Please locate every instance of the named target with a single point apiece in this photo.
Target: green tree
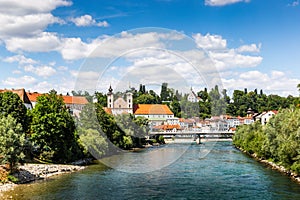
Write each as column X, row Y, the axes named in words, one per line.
column 145, row 99
column 53, row 129
column 90, row 134
column 12, row 139
column 218, row 104
column 175, row 107
column 101, row 99
column 11, row 104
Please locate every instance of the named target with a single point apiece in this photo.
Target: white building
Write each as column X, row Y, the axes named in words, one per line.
column 267, row 116
column 158, row 114
column 120, row 105
column 192, row 97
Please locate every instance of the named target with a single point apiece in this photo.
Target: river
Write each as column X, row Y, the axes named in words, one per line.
column 224, row 173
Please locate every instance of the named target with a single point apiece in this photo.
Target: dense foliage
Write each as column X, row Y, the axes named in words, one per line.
column 278, row 140
column 53, row 130
column 11, row 104
column 12, row 140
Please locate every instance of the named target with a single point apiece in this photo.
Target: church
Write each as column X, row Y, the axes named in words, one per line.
column 156, row 113
column 120, row 105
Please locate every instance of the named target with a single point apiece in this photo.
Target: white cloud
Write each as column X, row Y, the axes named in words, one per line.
column 222, row 2
column 22, row 24
column 252, row 48
column 106, row 47
column 224, row 57
column 210, row 42
column 87, row 20
column 19, row 82
column 43, row 42
column 21, row 59
column 231, row 59
column 25, row 26
column 43, row 71
column 64, row 86
column 16, row 72
column 16, row 7
column 271, row 83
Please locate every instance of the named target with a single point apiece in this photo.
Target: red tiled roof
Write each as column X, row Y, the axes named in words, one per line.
column 67, row 99
column 75, row 100
column 168, row 127
column 20, row 92
column 33, row 96
column 152, row 109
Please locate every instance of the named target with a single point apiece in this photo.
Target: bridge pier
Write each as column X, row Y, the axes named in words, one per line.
column 199, row 136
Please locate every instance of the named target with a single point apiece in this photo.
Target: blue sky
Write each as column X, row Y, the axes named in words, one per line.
column 251, row 43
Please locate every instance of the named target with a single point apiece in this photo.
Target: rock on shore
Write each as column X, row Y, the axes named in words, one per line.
column 32, row 172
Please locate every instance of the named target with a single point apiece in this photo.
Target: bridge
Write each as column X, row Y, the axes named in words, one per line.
column 197, row 134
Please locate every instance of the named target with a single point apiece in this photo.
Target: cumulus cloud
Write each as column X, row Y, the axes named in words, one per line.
column 43, row 42
column 271, row 82
column 252, row 48
column 210, row 42
column 230, row 59
column 43, row 71
column 22, row 24
column 106, row 47
column 87, row 20
column 21, row 59
column 25, row 26
column 222, row 2
column 224, row 57
column 16, row 7
column 19, row 82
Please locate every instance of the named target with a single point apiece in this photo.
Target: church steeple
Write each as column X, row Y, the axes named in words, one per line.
column 110, row 98
column 110, row 90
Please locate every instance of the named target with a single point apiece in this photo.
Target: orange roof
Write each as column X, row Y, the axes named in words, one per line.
column 75, row 100
column 33, row 96
column 20, row 92
column 168, row 127
column 107, row 110
column 67, row 99
column 152, row 109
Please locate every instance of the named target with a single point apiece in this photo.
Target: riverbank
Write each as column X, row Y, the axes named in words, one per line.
column 31, row 172
column 274, row 166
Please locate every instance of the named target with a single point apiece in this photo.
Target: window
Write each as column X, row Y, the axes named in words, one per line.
column 119, row 106
column 129, row 106
column 129, row 100
column 109, row 100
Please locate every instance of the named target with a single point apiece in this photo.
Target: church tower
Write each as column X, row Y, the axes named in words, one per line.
column 129, row 99
column 110, row 98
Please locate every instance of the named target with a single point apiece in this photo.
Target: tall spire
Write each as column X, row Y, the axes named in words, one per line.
column 110, row 89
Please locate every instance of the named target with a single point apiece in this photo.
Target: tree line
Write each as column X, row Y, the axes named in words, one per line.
column 277, row 141
column 211, row 102
column 49, row 132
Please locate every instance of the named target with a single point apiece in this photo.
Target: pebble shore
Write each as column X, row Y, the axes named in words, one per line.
column 32, row 172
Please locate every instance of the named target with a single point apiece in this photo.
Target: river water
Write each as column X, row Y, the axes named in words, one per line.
column 224, row 173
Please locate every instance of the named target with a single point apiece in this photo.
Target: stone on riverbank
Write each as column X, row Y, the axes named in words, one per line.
column 32, row 172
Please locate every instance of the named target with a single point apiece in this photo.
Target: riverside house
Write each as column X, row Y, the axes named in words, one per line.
column 74, row 103
column 22, row 94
